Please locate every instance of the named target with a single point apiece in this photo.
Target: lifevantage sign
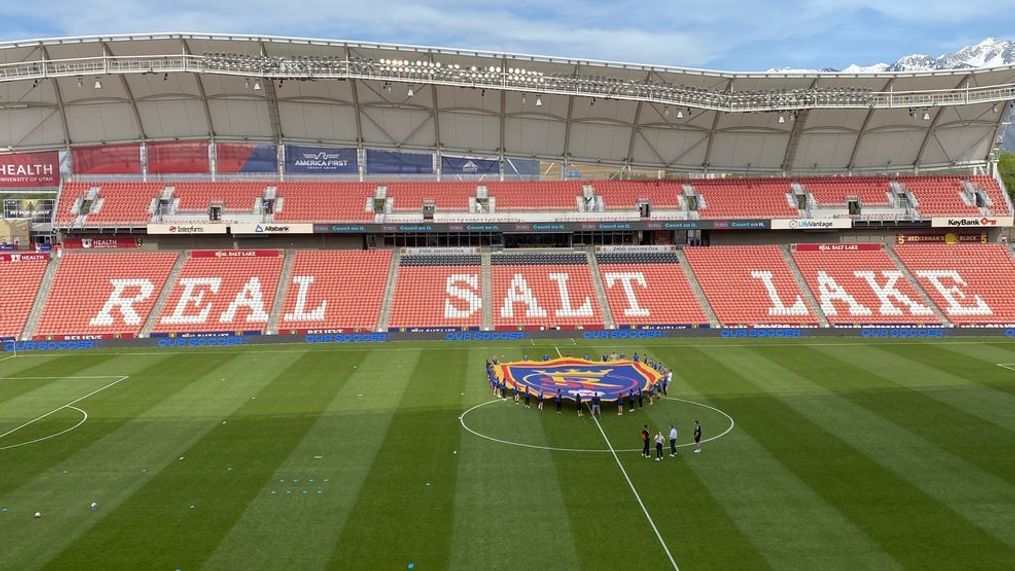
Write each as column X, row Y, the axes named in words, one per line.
column 812, row 224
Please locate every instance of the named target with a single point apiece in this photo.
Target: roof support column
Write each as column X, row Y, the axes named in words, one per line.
column 59, row 103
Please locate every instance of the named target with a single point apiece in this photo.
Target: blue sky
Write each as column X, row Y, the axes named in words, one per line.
column 721, row 34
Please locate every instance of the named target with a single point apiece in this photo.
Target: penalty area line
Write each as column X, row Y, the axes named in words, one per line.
column 635, row 492
column 558, row 351
column 68, row 405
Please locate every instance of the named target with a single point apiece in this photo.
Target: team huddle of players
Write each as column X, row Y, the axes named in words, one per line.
column 656, row 390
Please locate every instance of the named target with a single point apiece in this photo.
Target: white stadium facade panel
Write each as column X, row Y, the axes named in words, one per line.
column 67, row 92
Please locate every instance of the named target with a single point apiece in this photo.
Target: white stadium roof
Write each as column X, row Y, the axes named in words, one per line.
column 57, row 93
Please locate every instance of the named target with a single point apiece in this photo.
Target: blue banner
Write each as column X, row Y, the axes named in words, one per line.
column 393, row 162
column 521, row 167
column 467, row 166
column 320, row 160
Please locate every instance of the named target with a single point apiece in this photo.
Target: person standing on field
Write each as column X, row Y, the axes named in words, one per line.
column 645, row 437
column 659, row 446
column 697, row 436
column 673, row 440
column 559, row 400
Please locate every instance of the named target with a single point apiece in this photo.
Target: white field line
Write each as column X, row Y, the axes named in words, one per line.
column 1009, row 366
column 636, row 495
column 558, row 351
column 309, row 347
column 84, row 417
column 68, row 405
column 461, row 420
column 6, row 358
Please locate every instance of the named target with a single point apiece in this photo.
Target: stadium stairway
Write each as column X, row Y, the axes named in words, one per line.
column 389, row 291
column 924, row 297
column 597, row 281
column 40, row 299
column 280, row 292
column 487, row 287
column 699, row 294
column 802, row 284
column 160, row 303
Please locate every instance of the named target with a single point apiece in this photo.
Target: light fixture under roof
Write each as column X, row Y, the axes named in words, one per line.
column 781, row 119
column 680, row 114
column 98, row 83
column 257, row 85
column 409, row 93
column 539, row 102
column 926, row 116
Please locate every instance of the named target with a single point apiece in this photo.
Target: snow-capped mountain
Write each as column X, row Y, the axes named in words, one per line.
column 988, row 53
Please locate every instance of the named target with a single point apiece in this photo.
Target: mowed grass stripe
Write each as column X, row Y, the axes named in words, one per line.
column 912, row 370
column 290, row 529
column 873, row 497
column 110, row 470
column 608, row 525
column 506, row 492
column 958, row 364
column 398, row 518
column 765, row 500
column 58, row 367
column 254, row 441
column 974, row 440
column 117, row 406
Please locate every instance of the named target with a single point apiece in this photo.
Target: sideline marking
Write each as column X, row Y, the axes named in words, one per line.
column 558, row 351
column 385, row 346
column 84, row 417
column 68, row 405
column 6, row 358
column 635, row 492
column 461, row 420
column 1009, row 366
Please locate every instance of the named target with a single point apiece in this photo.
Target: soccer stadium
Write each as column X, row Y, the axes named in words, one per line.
column 694, row 319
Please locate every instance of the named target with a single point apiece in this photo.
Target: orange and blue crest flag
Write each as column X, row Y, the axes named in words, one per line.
column 610, row 379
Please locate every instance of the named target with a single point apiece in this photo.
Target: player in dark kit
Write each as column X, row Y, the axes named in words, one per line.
column 630, row 400
column 645, row 436
column 578, row 402
column 558, row 399
column 697, row 436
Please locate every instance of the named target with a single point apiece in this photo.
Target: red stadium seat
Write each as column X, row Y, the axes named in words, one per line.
column 448, row 295
column 749, row 285
column 544, row 295
column 650, row 294
column 336, row 289
column 21, row 280
column 745, row 198
column 104, row 294
column 970, row 283
column 214, row 294
column 861, row 287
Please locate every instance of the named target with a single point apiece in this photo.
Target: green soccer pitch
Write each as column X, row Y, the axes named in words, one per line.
column 843, row 454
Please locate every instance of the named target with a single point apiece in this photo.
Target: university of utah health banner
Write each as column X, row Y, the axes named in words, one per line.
column 178, row 158
column 233, row 158
column 109, row 159
column 467, row 166
column 393, row 162
column 320, row 160
column 30, row 170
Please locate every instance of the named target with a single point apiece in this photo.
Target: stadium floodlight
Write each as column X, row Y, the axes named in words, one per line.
column 539, row 102
column 781, row 119
column 926, row 116
column 680, row 114
column 98, row 83
column 257, row 85
column 409, row 93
